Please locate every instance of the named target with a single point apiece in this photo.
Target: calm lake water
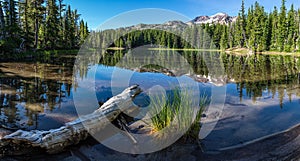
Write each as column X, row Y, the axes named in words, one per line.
column 262, row 92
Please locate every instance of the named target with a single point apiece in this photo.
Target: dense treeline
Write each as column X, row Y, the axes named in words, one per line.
column 50, row 24
column 150, row 36
column 39, row 24
column 259, row 31
column 128, row 38
column 256, row 30
column 262, row 31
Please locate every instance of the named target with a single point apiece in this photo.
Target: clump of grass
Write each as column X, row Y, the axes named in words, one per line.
column 163, row 112
column 193, row 132
column 178, row 110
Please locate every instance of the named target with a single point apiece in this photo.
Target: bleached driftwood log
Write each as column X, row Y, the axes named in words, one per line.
column 54, row 141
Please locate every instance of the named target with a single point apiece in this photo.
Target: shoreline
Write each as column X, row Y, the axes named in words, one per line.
column 231, row 51
column 280, row 146
column 245, row 52
column 175, row 49
column 38, row 53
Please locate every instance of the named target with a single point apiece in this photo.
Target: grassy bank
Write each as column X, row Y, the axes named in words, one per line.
column 297, row 54
column 116, row 48
column 245, row 51
column 237, row 51
column 38, row 53
column 173, row 49
column 53, row 52
column 166, row 49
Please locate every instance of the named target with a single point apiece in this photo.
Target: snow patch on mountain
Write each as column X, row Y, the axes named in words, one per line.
column 221, row 18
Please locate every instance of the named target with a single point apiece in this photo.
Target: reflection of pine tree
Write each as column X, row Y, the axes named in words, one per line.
column 43, row 87
column 281, row 94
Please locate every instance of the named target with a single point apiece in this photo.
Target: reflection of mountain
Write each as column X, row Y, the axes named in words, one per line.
column 175, row 73
column 29, row 89
column 254, row 75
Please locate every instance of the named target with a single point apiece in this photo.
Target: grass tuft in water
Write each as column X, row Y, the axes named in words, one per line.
column 178, row 111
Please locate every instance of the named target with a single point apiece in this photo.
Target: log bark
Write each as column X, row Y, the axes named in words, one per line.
column 54, row 141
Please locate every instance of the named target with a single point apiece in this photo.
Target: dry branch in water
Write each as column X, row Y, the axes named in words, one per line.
column 54, row 141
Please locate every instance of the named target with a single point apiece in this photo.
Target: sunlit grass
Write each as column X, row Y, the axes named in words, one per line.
column 164, row 113
column 39, row 54
column 115, row 48
column 178, row 110
column 184, row 49
column 193, row 132
column 245, row 51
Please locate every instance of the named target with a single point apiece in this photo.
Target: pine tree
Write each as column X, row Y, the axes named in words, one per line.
column 52, row 29
column 231, row 37
column 282, row 28
column 12, row 27
column 24, row 22
column 42, row 36
column 249, row 27
column 61, row 9
column 251, row 30
column 298, row 31
column 2, row 22
column 239, row 32
column 224, row 39
column 256, row 40
column 267, row 33
column 291, row 31
column 37, row 24
column 36, row 15
column 75, row 19
column 274, row 39
column 243, row 24
column 69, row 30
column 81, row 31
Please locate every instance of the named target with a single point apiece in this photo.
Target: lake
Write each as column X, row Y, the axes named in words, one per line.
column 261, row 91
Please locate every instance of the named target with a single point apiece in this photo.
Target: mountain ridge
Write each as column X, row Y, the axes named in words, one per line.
column 218, row 18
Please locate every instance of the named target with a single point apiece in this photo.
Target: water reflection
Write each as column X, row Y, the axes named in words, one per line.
column 263, row 91
column 31, row 89
column 255, row 76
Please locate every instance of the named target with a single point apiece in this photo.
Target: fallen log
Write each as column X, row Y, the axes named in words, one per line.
column 54, row 141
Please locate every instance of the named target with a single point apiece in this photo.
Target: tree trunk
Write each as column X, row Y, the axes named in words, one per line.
column 36, row 27
column 54, row 141
column 2, row 22
column 26, row 23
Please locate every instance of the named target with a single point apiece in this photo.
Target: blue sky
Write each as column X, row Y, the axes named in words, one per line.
column 96, row 12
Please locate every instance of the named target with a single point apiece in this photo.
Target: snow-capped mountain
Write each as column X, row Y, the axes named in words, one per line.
column 221, row 18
